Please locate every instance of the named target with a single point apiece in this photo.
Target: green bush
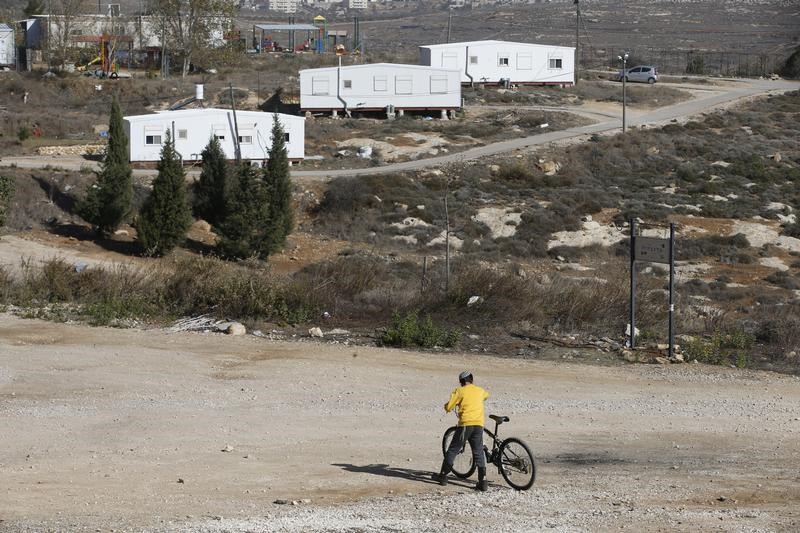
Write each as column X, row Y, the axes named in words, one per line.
column 409, row 330
column 6, row 194
column 784, row 280
column 722, row 349
column 790, row 230
column 791, row 69
column 24, row 133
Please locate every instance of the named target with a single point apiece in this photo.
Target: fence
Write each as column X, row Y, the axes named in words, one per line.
column 679, row 62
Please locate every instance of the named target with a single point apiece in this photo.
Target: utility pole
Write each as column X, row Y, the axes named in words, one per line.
column 164, row 61
column 577, row 40
column 236, row 147
column 450, row 22
column 49, row 35
column 624, row 59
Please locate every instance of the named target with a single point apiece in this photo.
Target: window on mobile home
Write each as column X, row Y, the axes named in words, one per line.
column 449, row 59
column 152, row 135
column 438, row 84
column 403, row 84
column 380, row 83
column 319, row 86
column 555, row 63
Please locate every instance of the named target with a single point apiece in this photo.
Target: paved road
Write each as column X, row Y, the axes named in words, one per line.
column 710, row 99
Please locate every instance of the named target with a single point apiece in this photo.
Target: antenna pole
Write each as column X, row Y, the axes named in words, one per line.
column 577, row 40
column 449, row 23
column 235, row 128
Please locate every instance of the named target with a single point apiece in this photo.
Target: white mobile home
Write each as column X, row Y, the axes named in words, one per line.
column 378, row 86
column 6, row 45
column 193, row 128
column 494, row 61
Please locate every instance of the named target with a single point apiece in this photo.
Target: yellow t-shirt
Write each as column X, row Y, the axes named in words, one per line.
column 469, row 400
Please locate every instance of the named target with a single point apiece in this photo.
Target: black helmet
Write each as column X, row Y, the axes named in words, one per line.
column 466, row 375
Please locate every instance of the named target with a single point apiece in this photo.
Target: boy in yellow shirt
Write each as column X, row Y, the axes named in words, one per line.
column 468, row 398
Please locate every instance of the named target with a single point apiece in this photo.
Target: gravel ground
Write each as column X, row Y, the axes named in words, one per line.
column 133, row 430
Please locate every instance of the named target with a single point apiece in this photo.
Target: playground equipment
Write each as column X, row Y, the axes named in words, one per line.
column 322, row 33
column 109, row 46
column 318, row 37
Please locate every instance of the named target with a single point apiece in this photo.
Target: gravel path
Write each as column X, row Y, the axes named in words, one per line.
column 137, row 430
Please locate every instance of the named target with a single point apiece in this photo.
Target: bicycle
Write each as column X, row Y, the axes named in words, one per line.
column 511, row 456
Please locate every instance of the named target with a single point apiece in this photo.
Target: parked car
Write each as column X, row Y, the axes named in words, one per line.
column 642, row 73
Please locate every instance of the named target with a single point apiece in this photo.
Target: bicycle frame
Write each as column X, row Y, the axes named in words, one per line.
column 496, row 443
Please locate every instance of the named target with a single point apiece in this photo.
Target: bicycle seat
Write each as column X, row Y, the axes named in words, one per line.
column 499, row 419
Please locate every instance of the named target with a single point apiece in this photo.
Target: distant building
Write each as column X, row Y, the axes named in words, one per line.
column 378, row 86
column 193, row 128
column 143, row 30
column 496, row 61
column 284, row 6
column 7, row 56
column 357, row 4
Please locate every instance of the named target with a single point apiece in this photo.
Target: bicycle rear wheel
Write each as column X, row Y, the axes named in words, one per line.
column 463, row 466
column 516, row 464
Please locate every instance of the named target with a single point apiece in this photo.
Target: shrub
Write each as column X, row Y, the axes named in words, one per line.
column 54, row 282
column 6, row 194
column 778, row 328
column 790, row 230
column 784, row 279
column 409, row 330
column 24, row 133
column 791, row 68
column 516, row 171
column 722, row 348
column 725, row 249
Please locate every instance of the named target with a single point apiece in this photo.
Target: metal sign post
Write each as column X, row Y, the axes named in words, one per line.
column 653, row 250
column 633, row 285
column 671, row 290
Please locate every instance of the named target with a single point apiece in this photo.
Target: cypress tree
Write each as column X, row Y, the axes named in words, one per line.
column 108, row 201
column 243, row 230
column 279, row 188
column 211, row 189
column 165, row 215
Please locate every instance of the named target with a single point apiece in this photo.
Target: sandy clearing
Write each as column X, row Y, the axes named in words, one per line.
column 15, row 250
column 100, row 424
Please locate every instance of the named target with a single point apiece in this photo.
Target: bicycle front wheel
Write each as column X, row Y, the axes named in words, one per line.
column 463, row 466
column 516, row 464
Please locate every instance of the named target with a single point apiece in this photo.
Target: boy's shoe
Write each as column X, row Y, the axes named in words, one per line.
column 441, row 479
column 482, row 485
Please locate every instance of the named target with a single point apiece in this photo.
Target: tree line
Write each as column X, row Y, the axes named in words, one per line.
column 248, row 207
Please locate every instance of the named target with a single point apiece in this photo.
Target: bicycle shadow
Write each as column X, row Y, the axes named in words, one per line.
column 422, row 476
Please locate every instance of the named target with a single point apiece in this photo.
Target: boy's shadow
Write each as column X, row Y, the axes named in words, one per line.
column 422, row 476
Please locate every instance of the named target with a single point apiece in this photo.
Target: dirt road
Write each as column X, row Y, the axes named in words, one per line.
column 706, row 99
column 150, row 430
